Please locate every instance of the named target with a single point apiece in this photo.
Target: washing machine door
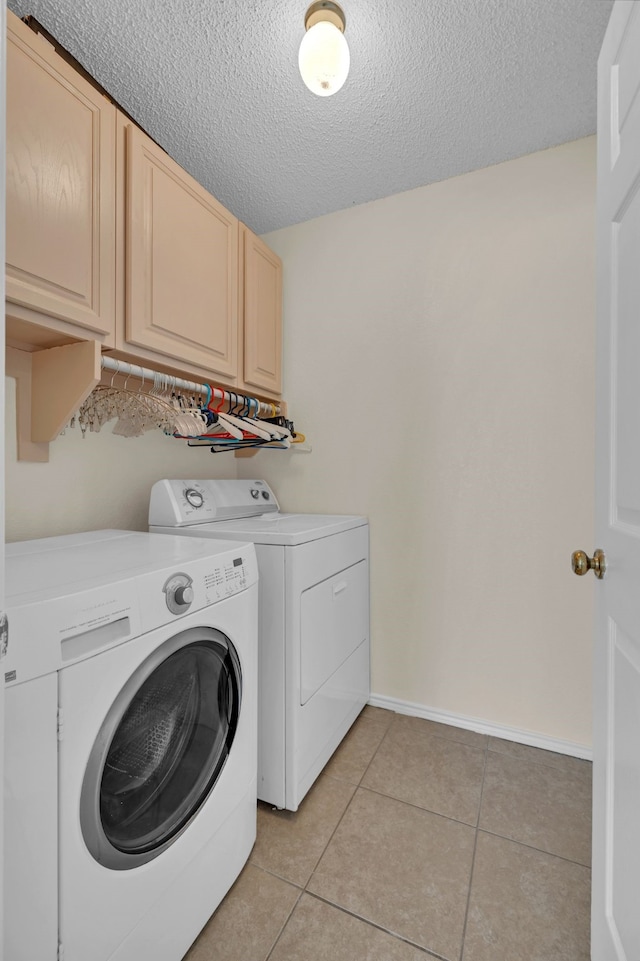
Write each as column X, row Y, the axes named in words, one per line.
column 161, row 748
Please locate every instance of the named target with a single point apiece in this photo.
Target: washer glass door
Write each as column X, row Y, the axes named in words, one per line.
column 161, row 748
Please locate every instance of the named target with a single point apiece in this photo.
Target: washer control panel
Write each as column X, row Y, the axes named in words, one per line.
column 212, row 585
column 178, row 593
column 225, row 580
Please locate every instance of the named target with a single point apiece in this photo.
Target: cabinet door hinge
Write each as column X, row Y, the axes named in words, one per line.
column 60, row 737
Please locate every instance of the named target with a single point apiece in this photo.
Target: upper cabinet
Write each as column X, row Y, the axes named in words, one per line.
column 60, row 199
column 109, row 239
column 181, row 263
column 261, row 298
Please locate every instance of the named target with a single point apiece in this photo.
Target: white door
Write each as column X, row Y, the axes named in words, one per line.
column 615, row 934
column 3, row 18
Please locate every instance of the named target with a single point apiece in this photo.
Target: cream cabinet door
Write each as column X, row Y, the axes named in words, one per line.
column 262, row 302
column 181, row 272
column 60, row 249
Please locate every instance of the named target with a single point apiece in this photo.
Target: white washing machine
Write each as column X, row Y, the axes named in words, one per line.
column 313, row 651
column 130, row 769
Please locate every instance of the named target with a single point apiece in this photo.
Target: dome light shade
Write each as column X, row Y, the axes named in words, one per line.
column 324, row 51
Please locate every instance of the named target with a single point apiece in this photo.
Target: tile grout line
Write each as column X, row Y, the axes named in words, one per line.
column 473, row 858
column 531, row 847
column 371, row 759
column 285, row 923
column 417, row 807
column 274, row 874
column 378, row 927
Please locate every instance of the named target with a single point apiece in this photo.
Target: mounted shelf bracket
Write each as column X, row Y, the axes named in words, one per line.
column 52, row 384
column 61, row 380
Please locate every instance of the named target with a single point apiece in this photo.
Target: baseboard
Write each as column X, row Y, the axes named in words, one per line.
column 532, row 738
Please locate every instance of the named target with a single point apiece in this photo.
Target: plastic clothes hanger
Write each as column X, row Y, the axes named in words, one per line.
column 275, row 431
column 243, row 424
column 222, row 420
column 211, row 423
column 250, row 426
column 250, row 430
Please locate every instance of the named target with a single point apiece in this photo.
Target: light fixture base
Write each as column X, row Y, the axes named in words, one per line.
column 325, row 10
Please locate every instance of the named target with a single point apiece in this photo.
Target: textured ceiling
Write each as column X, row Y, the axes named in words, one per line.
column 436, row 88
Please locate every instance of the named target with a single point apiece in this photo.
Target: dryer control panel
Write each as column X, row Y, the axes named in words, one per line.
column 183, row 503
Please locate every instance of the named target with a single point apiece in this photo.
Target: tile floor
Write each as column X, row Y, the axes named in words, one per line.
column 418, row 841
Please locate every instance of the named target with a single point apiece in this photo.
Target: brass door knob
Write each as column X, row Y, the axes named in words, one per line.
column 581, row 563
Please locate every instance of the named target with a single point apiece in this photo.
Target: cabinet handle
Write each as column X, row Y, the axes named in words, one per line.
column 339, row 588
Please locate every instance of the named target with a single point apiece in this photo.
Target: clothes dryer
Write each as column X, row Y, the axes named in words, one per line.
column 313, row 620
column 130, row 798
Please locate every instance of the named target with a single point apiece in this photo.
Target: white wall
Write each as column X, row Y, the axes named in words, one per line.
column 439, row 354
column 100, row 481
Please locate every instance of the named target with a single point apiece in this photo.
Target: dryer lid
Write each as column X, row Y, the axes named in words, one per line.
column 287, row 530
column 240, row 510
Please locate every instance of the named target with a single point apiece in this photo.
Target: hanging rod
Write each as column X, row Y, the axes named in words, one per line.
column 145, row 373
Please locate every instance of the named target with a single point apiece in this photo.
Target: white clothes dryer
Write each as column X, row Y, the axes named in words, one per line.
column 313, row 621
column 130, row 788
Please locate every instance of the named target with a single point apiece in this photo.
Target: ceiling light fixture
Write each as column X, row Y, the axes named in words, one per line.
column 324, row 52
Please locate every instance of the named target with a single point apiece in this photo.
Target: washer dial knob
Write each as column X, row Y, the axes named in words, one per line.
column 194, row 497
column 183, row 596
column 179, row 593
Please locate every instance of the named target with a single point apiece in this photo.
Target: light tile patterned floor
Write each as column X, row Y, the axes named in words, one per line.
column 418, row 841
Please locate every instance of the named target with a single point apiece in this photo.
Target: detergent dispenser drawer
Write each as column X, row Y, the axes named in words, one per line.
column 334, row 620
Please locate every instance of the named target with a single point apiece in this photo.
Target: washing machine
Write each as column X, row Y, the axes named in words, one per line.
column 131, row 739
column 313, row 650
